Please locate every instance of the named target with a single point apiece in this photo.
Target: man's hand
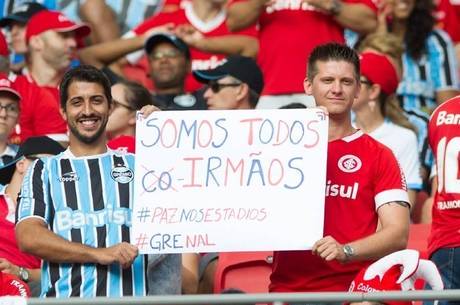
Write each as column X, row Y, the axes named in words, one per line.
column 167, row 28
column 122, row 253
column 190, row 35
column 7, row 267
column 329, row 249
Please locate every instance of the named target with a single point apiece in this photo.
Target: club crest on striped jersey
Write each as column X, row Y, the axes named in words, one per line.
column 349, row 164
column 122, row 174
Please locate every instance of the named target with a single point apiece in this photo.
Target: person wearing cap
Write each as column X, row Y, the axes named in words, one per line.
column 13, row 261
column 16, row 24
column 9, row 113
column 366, row 212
column 80, row 202
column 202, row 25
column 236, row 84
column 52, row 41
column 379, row 115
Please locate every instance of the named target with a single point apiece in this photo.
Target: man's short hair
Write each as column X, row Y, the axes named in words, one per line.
column 332, row 52
column 83, row 73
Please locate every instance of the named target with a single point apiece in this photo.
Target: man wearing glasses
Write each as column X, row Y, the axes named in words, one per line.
column 169, row 62
column 9, row 113
column 236, row 84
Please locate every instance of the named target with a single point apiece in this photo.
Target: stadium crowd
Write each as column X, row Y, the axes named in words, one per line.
column 73, row 74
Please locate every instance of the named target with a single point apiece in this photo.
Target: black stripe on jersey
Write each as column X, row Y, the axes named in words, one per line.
column 71, row 201
column 37, row 189
column 123, row 193
column 54, row 277
column 101, row 232
column 446, row 64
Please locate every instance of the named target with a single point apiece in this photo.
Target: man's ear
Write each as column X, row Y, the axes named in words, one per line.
column 308, row 86
column 63, row 113
column 36, row 42
column 21, row 166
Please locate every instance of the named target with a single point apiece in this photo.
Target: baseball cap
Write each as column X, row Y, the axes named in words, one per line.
column 7, row 85
column 12, row 286
column 240, row 67
column 123, row 144
column 397, row 272
column 3, row 45
column 22, row 13
column 46, row 20
column 32, row 146
column 155, row 39
column 378, row 68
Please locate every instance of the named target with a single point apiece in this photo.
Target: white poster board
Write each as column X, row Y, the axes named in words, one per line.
column 235, row 180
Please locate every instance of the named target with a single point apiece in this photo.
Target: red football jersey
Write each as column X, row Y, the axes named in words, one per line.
column 362, row 175
column 12, row 286
column 288, row 32
column 39, row 114
column 213, row 28
column 448, row 18
column 444, row 139
column 9, row 249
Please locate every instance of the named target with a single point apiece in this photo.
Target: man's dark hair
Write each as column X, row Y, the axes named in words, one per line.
column 332, row 52
column 83, row 73
column 136, row 95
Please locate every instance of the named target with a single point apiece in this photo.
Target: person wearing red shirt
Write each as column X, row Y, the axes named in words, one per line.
column 444, row 240
column 288, row 32
column 202, row 25
column 366, row 206
column 12, row 286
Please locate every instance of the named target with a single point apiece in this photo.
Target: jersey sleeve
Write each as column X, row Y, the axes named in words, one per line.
column 32, row 201
column 443, row 56
column 389, row 181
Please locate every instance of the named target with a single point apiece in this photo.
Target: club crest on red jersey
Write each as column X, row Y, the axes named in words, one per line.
column 349, row 164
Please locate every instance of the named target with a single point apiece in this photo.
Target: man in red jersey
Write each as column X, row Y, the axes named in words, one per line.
column 288, row 32
column 444, row 241
column 366, row 207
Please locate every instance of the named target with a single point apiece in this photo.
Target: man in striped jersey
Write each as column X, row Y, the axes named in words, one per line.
column 75, row 208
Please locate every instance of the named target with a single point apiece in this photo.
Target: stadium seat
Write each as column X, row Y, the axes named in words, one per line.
column 418, row 238
column 246, row 271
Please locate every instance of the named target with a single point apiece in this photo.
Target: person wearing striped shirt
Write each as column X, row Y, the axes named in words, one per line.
column 74, row 209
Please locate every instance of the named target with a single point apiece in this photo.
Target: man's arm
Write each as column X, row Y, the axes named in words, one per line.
column 226, row 44
column 391, row 235
column 354, row 16
column 53, row 248
column 8, row 267
column 240, row 15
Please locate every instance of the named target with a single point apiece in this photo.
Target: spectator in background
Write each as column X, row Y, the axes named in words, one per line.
column 201, row 24
column 444, row 240
column 288, row 32
column 128, row 97
column 12, row 286
column 447, row 15
column 365, row 188
column 26, row 267
column 429, row 65
column 236, row 84
column 9, row 113
column 16, row 25
column 52, row 42
column 378, row 114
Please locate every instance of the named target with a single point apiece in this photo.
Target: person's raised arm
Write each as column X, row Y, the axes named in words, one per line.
column 35, row 238
column 391, row 236
column 240, row 15
column 226, row 44
column 358, row 17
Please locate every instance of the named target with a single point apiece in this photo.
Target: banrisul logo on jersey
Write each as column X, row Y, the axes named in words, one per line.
column 122, row 174
column 349, row 164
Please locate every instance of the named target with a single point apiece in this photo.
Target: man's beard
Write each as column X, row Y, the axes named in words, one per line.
column 88, row 139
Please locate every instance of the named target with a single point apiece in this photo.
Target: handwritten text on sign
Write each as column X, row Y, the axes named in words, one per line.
column 242, row 180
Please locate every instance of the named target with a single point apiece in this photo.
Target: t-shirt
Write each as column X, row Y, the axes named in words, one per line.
column 444, row 138
column 212, row 28
column 12, row 286
column 447, row 15
column 288, row 32
column 9, row 249
column 403, row 143
column 362, row 175
column 85, row 200
column 39, row 111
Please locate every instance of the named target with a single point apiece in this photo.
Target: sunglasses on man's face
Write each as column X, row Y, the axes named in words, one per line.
column 216, row 87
